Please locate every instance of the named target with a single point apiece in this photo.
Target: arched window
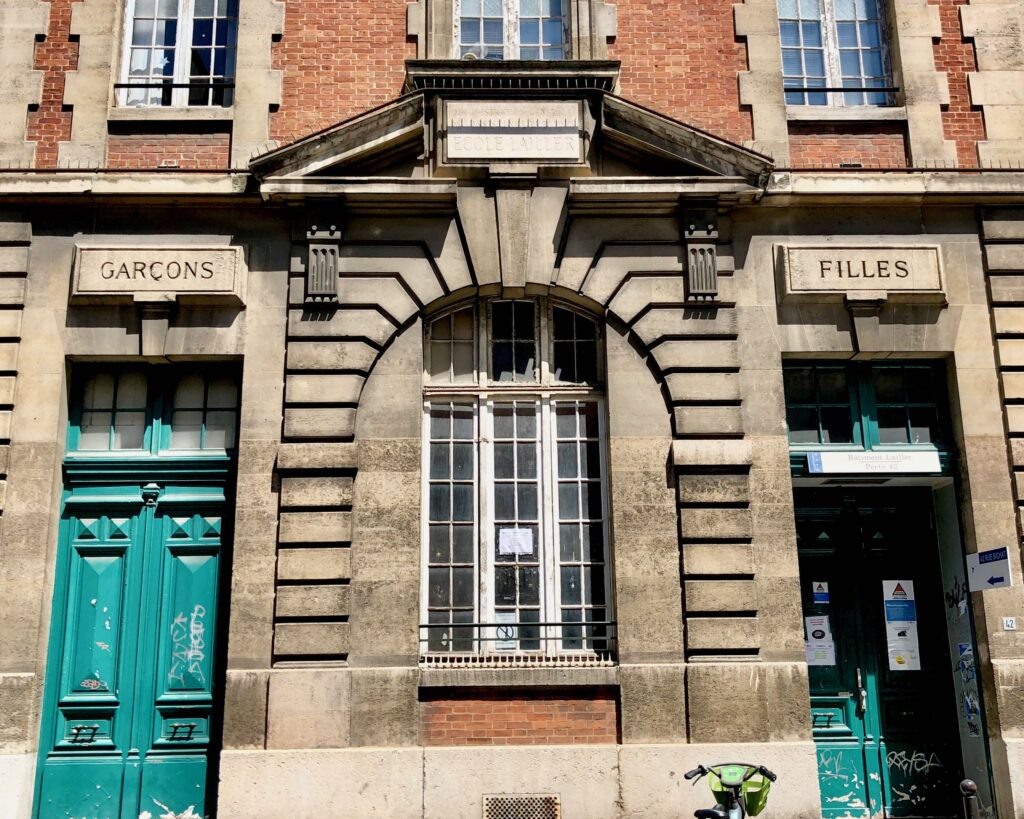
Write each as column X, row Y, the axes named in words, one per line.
column 515, row 496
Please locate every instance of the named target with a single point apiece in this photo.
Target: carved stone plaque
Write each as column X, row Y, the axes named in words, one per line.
column 158, row 273
column 513, row 131
column 909, row 272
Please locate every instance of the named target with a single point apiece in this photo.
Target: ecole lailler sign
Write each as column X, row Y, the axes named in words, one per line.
column 140, row 271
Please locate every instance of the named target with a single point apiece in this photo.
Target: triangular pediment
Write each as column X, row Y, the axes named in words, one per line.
column 616, row 138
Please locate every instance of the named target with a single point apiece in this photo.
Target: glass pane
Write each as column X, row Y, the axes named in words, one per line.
column 524, row 361
column 593, row 541
column 462, row 322
column 529, row 586
column 586, row 362
column 529, row 53
column 440, row 423
column 99, row 392
column 526, row 457
column 504, row 501
column 166, row 32
column 568, row 501
column 503, row 424
column 553, row 32
column 844, row 10
column 462, row 502
column 441, row 328
column 439, row 461
column 529, row 8
column 139, row 62
column 803, row 425
column 872, row 63
column 494, row 31
column 462, row 462
column 571, row 585
column 553, row 8
column 189, row 393
column 186, row 428
column 462, row 423
column 787, row 9
column 567, row 467
column 463, row 364
column 789, row 34
column 129, row 428
column 836, row 425
column 204, row 8
column 847, row 35
column 814, row 63
column 594, row 578
column 565, row 421
column 850, row 63
column 440, row 500
column 501, row 320
column 529, row 31
column 812, row 34
column 438, row 546
column 142, row 32
column 505, row 585
column 924, row 425
column 809, row 9
column 527, row 501
column 590, row 460
column 94, row 431
column 888, row 385
column 463, row 550
column 145, row 8
column 799, row 385
column 792, row 64
column 504, row 466
column 462, row 587
column 471, row 8
column 526, row 421
column 437, row 587
column 223, row 392
column 565, row 361
column 523, row 312
column 568, row 542
column 220, row 429
column 470, row 31
column 168, row 8
column 588, row 420
column 492, row 8
column 564, row 326
column 832, row 387
column 501, row 361
column 892, row 425
column 202, row 32
column 920, row 387
column 591, row 500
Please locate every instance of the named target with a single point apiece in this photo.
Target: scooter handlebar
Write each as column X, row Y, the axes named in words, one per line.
column 767, row 774
column 700, row 770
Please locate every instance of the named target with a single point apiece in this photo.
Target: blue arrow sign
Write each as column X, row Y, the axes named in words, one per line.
column 993, row 580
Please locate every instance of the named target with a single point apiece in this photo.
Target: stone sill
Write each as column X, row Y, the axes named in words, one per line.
column 159, row 113
column 852, row 113
column 490, row 76
column 517, row 677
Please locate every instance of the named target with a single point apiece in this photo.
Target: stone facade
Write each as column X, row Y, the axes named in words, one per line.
column 669, row 228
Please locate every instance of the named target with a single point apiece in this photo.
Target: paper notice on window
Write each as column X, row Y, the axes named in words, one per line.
column 820, row 652
column 515, row 541
column 818, row 628
column 901, row 625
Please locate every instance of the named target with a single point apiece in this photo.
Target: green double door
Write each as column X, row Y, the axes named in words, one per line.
column 129, row 709
column 883, row 708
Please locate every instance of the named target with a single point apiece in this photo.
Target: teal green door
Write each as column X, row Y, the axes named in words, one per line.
column 131, row 708
column 887, row 739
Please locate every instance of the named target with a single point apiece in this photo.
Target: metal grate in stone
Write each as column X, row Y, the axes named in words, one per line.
column 522, row 807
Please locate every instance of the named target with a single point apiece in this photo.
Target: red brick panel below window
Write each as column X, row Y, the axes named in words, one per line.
column 477, row 716
column 185, row 151
column 681, row 58
column 869, row 145
column 50, row 123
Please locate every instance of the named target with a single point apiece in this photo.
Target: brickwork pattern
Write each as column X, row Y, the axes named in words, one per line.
column 339, row 58
column 50, row 124
column 961, row 123
column 869, row 145
column 496, row 717
column 184, row 151
column 681, row 58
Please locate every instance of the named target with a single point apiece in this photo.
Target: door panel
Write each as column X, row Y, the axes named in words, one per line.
column 886, row 739
column 127, row 720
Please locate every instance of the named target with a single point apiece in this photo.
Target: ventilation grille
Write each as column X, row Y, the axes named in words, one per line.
column 595, row 659
column 522, row 807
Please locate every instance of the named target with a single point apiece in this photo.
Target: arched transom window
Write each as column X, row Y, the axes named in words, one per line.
column 515, row 496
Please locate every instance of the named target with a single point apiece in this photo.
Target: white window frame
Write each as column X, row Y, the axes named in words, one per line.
column 545, row 392
column 511, row 44
column 182, row 58
column 833, row 64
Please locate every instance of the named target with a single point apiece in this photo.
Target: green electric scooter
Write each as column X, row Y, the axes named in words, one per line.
column 739, row 789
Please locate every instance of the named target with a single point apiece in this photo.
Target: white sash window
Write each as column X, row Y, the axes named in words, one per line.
column 512, row 29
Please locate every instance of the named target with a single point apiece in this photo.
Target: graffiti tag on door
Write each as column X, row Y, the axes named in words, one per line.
column 188, row 639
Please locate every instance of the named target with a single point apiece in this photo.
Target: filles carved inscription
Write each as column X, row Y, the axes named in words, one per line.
column 837, row 269
column 874, row 269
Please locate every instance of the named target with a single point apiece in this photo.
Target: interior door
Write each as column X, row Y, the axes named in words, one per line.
column 885, row 729
column 130, row 687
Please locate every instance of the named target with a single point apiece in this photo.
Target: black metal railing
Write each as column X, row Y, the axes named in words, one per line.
column 207, row 93
column 595, row 638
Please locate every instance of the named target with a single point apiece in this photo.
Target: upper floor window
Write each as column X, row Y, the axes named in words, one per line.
column 865, row 406
column 834, row 45
column 512, row 29
column 179, row 53
column 515, row 497
column 137, row 410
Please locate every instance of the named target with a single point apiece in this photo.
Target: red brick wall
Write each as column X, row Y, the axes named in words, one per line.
column 955, row 56
column 339, row 57
column 50, row 124
column 681, row 58
column 872, row 145
column 189, row 151
column 476, row 716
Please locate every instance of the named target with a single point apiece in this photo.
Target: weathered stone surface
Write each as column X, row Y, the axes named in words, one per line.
column 720, row 595
column 245, row 709
column 716, row 420
column 700, row 386
column 317, row 456
column 1007, row 289
column 312, row 601
column 718, row 558
column 722, row 634
column 308, row 708
column 385, row 707
column 1005, row 257
column 330, row 355
column 714, row 524
column 314, row 564
column 713, row 488
column 653, row 703
column 711, row 453
column 315, row 527
column 696, row 354
column 316, row 491
column 319, row 423
column 321, row 389
column 319, row 639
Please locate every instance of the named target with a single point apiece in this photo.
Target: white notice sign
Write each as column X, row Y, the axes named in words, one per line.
column 819, row 646
column 515, row 541
column 989, row 570
column 865, row 463
column 901, row 625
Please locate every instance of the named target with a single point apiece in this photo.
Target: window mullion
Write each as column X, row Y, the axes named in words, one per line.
column 182, row 50
column 549, row 514
column 830, row 37
column 485, row 522
column 511, row 8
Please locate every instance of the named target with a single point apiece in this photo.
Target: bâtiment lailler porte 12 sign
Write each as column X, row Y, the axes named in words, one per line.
column 860, row 463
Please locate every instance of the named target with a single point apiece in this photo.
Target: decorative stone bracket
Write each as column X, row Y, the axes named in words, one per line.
column 324, row 237
column 700, row 234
